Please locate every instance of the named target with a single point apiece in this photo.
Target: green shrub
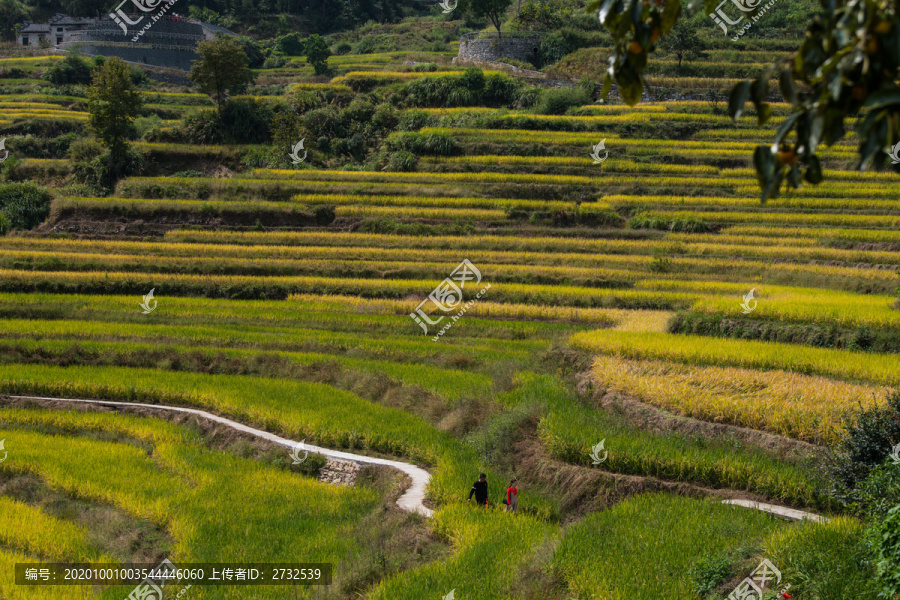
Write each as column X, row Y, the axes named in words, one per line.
column 553, row 48
column 290, row 44
column 402, row 160
column 438, row 144
column 879, row 492
column 253, row 50
column 317, row 53
column 324, row 215
column 73, row 69
column 472, row 88
column 680, row 225
column 888, row 565
column 23, row 206
column 556, row 101
column 242, row 121
column 275, row 60
column 101, row 172
column 867, row 442
column 708, row 573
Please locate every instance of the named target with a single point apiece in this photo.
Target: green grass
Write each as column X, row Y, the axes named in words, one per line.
column 644, row 547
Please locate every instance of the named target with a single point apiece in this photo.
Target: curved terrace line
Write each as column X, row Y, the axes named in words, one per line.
column 412, row 498
column 410, row 501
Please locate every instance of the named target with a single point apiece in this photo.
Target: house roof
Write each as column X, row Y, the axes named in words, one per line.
column 35, row 28
column 217, row 29
column 61, row 19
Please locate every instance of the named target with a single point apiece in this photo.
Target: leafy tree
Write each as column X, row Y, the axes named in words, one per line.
column 113, row 104
column 683, row 41
column 492, row 9
column 72, row 69
column 290, row 44
column 254, row 52
column 849, row 60
column 11, row 12
column 22, row 206
column 222, row 68
column 317, row 53
column 539, row 15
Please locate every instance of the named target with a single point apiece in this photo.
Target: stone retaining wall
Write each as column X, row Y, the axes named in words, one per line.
column 491, row 48
column 340, row 473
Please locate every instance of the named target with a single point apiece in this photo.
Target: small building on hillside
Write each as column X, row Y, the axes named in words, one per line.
column 57, row 30
column 162, row 40
column 168, row 41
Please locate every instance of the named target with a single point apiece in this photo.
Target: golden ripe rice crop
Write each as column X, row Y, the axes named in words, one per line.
column 699, row 350
column 805, row 407
column 613, row 164
column 752, row 202
column 418, row 176
column 778, row 218
column 856, row 235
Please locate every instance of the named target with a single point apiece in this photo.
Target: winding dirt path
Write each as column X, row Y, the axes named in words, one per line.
column 410, row 501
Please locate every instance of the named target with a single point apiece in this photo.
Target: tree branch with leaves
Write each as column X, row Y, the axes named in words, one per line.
column 846, row 66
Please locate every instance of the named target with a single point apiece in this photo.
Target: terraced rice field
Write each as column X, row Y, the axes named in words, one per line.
column 282, row 298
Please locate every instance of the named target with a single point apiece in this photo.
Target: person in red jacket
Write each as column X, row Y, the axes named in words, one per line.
column 512, row 496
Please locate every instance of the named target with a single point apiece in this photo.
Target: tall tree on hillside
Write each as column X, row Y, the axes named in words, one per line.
column 683, row 41
column 113, row 104
column 847, row 64
column 222, row 68
column 492, row 9
column 317, row 53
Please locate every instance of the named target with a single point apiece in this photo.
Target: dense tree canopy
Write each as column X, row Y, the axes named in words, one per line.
column 113, row 104
column 222, row 67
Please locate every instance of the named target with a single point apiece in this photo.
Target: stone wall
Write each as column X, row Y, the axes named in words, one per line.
column 339, row 472
column 172, row 59
column 491, row 48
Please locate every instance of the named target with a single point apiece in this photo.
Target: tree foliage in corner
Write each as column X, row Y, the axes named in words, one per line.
column 222, row 68
column 11, row 12
column 113, row 104
column 848, row 62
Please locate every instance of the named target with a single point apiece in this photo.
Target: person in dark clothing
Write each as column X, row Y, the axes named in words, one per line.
column 479, row 488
